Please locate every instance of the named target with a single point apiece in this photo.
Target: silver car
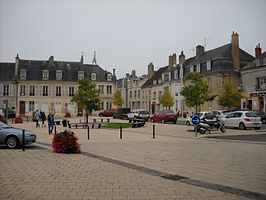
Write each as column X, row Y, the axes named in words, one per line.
column 12, row 137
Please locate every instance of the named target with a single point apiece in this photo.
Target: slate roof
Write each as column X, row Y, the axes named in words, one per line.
column 69, row 70
column 254, row 64
column 7, row 72
column 157, row 75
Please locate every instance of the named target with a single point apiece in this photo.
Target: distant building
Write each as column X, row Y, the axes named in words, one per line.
column 254, row 83
column 49, row 85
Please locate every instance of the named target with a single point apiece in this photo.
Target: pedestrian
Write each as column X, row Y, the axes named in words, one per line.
column 50, row 119
column 43, row 118
column 37, row 117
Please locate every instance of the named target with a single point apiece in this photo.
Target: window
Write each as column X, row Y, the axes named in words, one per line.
column 6, row 90
column 101, row 106
column 135, row 93
column 209, row 65
column 45, row 91
column 93, row 76
column 154, row 82
column 108, row 105
column 58, row 90
column 109, row 77
column 45, row 74
column 71, row 91
column 166, row 77
column 261, row 83
column 80, row 75
column 31, row 106
column 191, row 68
column 22, row 90
column 130, row 94
column 59, row 75
column 23, row 74
column 194, row 68
column 32, row 90
column 101, row 89
column 109, row 89
column 154, row 96
column 138, row 93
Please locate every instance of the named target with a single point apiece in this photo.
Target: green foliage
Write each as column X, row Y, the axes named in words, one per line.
column 118, row 101
column 231, row 97
column 116, row 126
column 87, row 96
column 167, row 100
column 196, row 93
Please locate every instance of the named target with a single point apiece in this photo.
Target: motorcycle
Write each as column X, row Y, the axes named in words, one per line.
column 210, row 125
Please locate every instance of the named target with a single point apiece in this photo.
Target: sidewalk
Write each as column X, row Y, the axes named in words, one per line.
column 174, row 165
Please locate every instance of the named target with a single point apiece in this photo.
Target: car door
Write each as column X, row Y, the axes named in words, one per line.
column 228, row 119
column 237, row 119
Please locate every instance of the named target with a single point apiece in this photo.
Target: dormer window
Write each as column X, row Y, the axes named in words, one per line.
column 23, row 74
column 45, row 74
column 109, row 77
column 209, row 65
column 93, row 76
column 80, row 75
column 59, row 75
column 166, row 77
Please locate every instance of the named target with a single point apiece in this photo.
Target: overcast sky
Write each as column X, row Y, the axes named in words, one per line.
column 126, row 35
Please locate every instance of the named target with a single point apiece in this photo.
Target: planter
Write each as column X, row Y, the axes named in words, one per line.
column 65, row 142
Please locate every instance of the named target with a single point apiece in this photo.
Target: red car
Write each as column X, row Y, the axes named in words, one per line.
column 165, row 116
column 107, row 113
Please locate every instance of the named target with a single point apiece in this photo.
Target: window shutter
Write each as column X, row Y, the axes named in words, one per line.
column 11, row 88
column 1, row 89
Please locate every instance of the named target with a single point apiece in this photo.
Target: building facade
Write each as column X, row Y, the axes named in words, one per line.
column 49, row 85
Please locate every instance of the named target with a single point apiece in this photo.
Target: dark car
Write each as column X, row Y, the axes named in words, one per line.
column 12, row 137
column 262, row 116
column 165, row 116
column 121, row 113
column 107, row 113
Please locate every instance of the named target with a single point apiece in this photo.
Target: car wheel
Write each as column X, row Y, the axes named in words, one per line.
column 187, row 123
column 12, row 142
column 242, row 126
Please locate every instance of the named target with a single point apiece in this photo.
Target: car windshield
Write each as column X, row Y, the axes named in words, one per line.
column 3, row 125
column 251, row 114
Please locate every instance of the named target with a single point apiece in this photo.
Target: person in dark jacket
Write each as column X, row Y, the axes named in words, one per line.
column 50, row 119
column 43, row 118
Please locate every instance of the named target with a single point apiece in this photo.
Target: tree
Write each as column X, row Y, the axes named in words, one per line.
column 167, row 100
column 118, row 101
column 196, row 93
column 231, row 97
column 87, row 97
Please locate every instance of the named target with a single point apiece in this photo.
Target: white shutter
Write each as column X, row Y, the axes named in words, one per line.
column 27, row 106
column 11, row 90
column 1, row 89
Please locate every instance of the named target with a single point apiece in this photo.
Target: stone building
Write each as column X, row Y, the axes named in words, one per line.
column 254, row 83
column 49, row 85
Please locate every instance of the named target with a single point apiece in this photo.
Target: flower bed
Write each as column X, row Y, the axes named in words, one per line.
column 65, row 142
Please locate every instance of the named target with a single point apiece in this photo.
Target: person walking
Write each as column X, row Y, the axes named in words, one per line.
column 43, row 118
column 50, row 119
column 37, row 117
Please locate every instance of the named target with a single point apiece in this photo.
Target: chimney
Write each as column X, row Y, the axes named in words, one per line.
column 51, row 60
column 235, row 50
column 16, row 65
column 127, row 75
column 182, row 58
column 199, row 50
column 81, row 59
column 113, row 72
column 133, row 73
column 150, row 70
column 257, row 51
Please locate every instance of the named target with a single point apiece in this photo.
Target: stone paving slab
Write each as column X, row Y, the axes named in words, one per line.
column 41, row 174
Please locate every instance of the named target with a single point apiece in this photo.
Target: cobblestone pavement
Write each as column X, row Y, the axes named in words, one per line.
column 174, row 165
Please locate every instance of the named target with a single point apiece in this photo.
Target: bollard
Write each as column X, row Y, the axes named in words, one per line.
column 88, row 130
column 108, row 120
column 55, row 129
column 23, row 140
column 153, row 131
column 27, row 118
column 120, row 131
column 101, row 120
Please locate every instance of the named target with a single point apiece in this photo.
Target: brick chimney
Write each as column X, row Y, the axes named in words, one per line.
column 51, row 60
column 172, row 60
column 16, row 65
column 150, row 70
column 235, row 50
column 182, row 58
column 257, row 51
column 199, row 50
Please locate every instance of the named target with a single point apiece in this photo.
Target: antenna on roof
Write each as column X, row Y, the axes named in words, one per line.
column 193, row 50
column 205, row 42
column 94, row 59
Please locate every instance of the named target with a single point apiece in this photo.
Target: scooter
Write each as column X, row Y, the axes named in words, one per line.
column 211, row 125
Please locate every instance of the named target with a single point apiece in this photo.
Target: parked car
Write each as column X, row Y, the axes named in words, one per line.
column 107, row 113
column 165, row 116
column 12, row 137
column 220, row 113
column 242, row 120
column 139, row 114
column 121, row 113
column 262, row 116
column 201, row 116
